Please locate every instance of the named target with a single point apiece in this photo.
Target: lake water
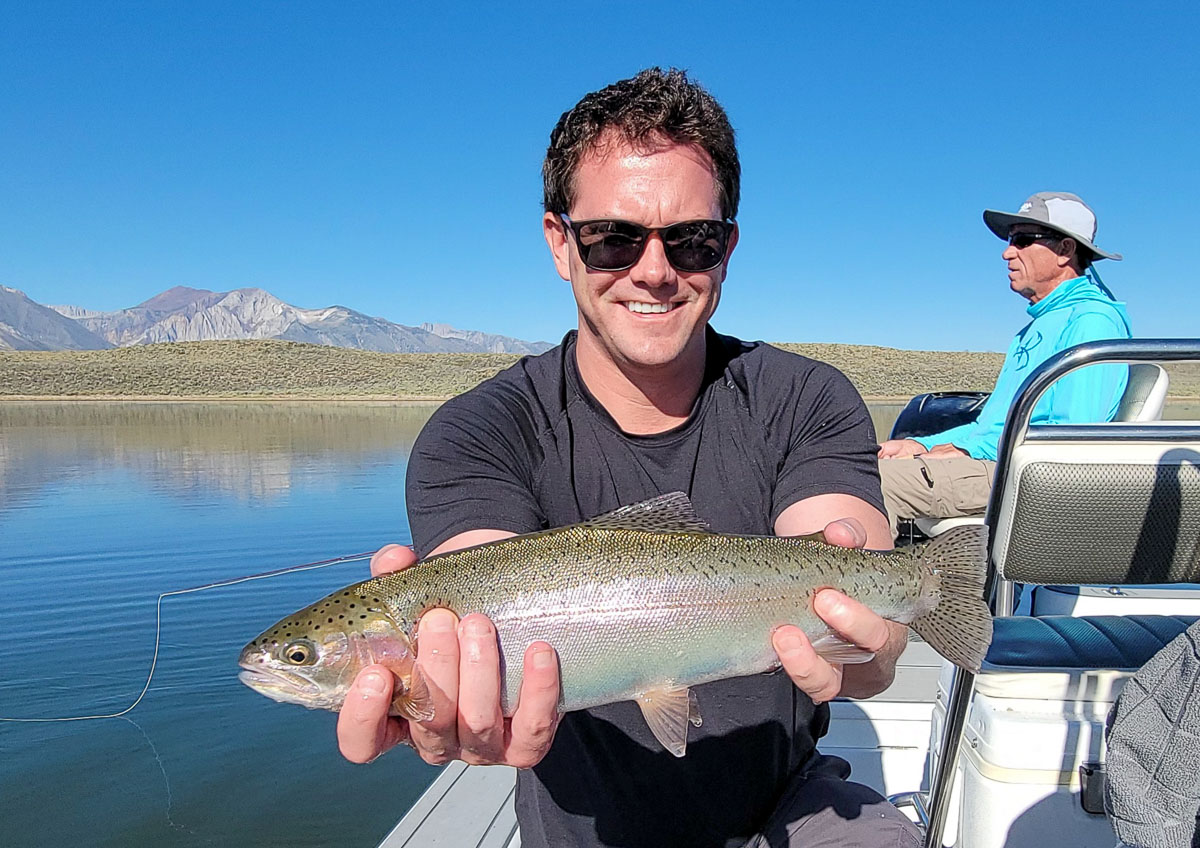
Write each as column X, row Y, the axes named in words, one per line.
column 105, row 505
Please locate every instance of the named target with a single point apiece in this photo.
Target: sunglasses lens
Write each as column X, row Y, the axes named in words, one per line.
column 610, row 245
column 1023, row 240
column 696, row 245
column 616, row 245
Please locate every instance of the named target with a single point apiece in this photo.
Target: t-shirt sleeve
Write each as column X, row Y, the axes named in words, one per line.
column 832, row 447
column 472, row 468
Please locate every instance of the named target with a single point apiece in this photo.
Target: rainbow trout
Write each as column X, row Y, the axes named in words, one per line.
column 640, row 604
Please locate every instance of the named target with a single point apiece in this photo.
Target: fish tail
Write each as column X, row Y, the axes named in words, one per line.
column 960, row 626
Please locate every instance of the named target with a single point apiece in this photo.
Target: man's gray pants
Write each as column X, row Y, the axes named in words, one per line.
column 821, row 809
column 916, row 486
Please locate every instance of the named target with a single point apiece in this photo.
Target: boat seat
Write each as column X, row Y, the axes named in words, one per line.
column 1126, row 642
column 1143, row 400
column 1145, row 393
column 1068, row 659
column 1112, row 504
column 936, row 526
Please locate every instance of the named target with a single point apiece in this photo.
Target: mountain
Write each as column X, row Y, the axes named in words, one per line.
column 27, row 325
column 487, row 342
column 186, row 314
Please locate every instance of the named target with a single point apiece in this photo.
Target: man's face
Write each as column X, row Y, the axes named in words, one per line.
column 1036, row 269
column 651, row 314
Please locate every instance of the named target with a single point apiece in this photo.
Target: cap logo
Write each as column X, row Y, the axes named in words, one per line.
column 1025, row 207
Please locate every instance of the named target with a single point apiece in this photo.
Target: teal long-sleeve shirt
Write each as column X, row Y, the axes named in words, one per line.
column 1076, row 311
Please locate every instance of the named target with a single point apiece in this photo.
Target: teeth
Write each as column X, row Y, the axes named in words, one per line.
column 636, row 306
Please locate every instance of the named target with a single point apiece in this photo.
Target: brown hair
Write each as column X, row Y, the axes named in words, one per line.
column 655, row 103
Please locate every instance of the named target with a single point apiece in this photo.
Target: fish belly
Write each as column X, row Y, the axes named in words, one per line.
column 616, row 641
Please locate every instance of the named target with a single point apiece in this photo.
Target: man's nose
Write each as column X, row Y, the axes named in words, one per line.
column 1009, row 254
column 652, row 267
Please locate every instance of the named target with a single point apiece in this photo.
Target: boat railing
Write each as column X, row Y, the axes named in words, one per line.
column 1113, row 504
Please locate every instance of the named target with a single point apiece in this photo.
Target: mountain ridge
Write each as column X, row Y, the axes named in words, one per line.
column 182, row 314
column 26, row 324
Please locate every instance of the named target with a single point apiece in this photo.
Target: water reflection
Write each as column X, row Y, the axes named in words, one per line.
column 105, row 505
column 251, row 451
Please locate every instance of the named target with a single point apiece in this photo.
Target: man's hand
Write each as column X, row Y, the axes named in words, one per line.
column 461, row 663
column 945, row 451
column 823, row 681
column 897, row 448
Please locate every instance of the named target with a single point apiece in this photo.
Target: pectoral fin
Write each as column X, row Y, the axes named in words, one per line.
column 668, row 712
column 833, row 648
column 412, row 699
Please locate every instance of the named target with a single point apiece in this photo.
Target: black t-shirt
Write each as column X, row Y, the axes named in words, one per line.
column 531, row 449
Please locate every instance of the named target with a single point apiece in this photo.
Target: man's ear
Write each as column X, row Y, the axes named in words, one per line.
column 1066, row 250
column 733, row 240
column 555, row 233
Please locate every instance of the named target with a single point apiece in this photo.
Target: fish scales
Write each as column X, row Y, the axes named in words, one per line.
column 639, row 604
column 628, row 610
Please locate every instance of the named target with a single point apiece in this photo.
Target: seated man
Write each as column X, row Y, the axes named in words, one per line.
column 1049, row 256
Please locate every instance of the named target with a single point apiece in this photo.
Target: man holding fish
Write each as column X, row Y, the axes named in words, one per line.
column 644, row 399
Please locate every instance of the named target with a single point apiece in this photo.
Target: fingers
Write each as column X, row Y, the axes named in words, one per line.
column 820, row 680
column 392, row 558
column 536, row 717
column 853, row 621
column 846, row 533
column 480, row 720
column 364, row 730
column 436, row 740
column 811, row 674
column 897, row 448
column 944, row 451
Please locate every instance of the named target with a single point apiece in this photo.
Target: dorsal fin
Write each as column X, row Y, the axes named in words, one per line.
column 669, row 513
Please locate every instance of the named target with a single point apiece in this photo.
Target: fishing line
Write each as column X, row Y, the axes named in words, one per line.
column 166, row 780
column 308, row 566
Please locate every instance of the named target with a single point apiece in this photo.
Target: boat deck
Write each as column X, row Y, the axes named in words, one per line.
column 465, row 807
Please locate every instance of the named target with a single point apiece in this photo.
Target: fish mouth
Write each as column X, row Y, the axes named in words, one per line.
column 280, row 685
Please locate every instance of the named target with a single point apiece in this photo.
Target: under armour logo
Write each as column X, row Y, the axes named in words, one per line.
column 1026, row 346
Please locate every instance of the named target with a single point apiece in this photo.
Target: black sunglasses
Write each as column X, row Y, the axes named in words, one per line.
column 1023, row 240
column 611, row 245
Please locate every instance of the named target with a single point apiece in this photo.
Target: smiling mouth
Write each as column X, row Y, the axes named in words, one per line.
column 649, row 308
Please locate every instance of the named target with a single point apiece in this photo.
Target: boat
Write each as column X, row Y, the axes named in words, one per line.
column 1094, row 568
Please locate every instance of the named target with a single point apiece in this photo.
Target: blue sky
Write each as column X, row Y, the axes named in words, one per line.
column 386, row 156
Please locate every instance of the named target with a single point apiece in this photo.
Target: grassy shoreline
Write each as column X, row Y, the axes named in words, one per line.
column 289, row 371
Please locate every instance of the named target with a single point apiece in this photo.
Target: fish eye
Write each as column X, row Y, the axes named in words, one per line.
column 298, row 653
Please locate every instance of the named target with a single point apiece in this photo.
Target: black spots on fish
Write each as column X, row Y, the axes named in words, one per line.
column 352, row 606
column 362, row 615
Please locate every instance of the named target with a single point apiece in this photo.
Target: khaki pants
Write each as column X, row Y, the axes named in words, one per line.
column 936, row 488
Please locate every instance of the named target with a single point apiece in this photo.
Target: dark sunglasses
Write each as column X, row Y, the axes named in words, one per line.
column 1023, row 240
column 611, row 245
